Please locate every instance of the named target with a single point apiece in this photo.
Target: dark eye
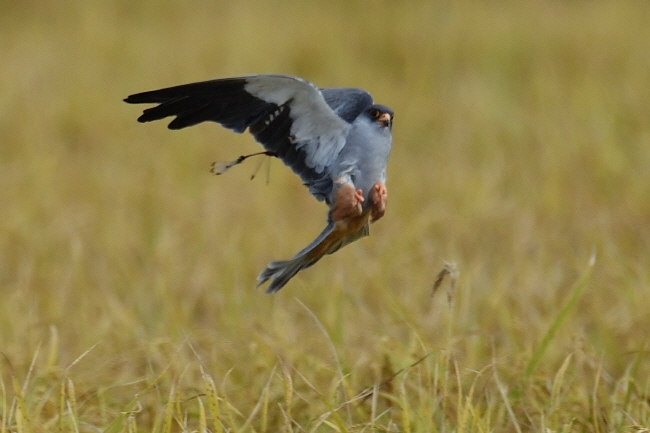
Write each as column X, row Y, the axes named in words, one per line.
column 375, row 113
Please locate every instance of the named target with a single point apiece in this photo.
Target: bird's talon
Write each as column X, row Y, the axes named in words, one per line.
column 378, row 198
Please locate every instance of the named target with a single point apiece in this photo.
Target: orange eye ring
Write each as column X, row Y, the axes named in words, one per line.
column 375, row 113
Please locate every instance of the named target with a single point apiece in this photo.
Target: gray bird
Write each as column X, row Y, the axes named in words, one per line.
column 337, row 140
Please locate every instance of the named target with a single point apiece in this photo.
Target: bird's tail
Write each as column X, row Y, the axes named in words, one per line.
column 330, row 240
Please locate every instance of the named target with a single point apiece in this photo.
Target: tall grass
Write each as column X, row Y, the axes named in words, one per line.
column 521, row 147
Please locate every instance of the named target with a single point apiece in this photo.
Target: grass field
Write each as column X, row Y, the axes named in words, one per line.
column 521, row 155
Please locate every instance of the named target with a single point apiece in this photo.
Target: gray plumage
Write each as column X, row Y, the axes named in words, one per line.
column 336, row 140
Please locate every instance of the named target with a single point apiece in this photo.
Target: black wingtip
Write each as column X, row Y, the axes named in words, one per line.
column 175, row 127
column 143, row 98
column 130, row 99
column 144, row 118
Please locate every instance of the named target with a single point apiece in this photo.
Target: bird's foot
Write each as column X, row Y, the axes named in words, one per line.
column 348, row 202
column 378, row 198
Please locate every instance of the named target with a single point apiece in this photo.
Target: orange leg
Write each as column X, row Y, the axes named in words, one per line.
column 378, row 198
column 347, row 201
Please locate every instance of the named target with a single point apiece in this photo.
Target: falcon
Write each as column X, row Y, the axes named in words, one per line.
column 337, row 140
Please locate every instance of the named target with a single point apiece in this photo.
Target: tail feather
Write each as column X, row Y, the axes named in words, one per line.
column 328, row 241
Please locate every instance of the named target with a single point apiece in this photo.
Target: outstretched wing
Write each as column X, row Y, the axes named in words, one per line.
column 305, row 127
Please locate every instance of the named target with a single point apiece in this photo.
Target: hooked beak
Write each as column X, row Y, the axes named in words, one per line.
column 385, row 119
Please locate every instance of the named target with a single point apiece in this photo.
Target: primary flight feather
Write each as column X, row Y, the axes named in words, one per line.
column 336, row 140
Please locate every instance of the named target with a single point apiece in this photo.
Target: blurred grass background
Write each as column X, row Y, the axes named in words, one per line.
column 521, row 148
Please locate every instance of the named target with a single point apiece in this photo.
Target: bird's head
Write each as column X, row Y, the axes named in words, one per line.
column 382, row 115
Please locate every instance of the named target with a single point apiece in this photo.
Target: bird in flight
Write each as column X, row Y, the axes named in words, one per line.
column 337, row 140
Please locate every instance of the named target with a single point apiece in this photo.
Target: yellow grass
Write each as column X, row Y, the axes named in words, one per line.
column 521, row 151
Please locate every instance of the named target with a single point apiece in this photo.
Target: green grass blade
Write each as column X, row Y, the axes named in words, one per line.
column 570, row 304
